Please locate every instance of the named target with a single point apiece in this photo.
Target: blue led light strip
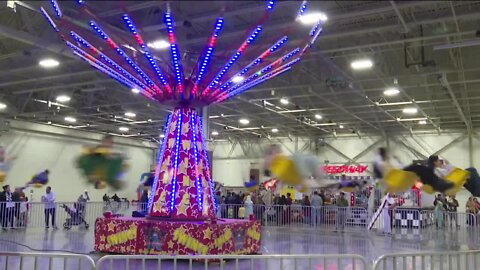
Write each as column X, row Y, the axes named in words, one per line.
column 102, row 67
column 257, row 61
column 177, row 155
column 124, row 56
column 198, row 183
column 159, row 162
column 270, row 4
column 233, row 59
column 207, row 165
column 56, row 8
column 209, row 52
column 177, row 65
column 146, row 51
column 49, row 19
column 255, row 82
column 112, row 63
column 261, row 72
column 303, row 8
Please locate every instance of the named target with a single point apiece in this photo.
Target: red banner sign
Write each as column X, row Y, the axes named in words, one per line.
column 330, row 169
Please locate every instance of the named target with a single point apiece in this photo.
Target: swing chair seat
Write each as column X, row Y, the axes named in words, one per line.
column 397, row 180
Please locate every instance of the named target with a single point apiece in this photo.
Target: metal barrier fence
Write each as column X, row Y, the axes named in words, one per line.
column 463, row 260
column 68, row 215
column 37, row 261
column 227, row 262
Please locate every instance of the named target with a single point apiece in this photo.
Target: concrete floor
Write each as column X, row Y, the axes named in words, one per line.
column 274, row 241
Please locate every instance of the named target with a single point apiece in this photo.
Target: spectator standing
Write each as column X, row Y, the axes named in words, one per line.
column 248, row 207
column 341, row 204
column 317, row 203
column 472, row 209
column 438, row 212
column 7, row 207
column 388, row 213
column 307, row 209
column 23, row 216
column 452, row 207
column 49, row 200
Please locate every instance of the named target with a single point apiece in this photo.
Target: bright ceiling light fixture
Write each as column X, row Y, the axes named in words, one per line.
column 70, row 119
column 135, row 90
column 391, row 92
column 159, row 44
column 318, row 116
column 237, row 79
column 244, row 121
column 313, row 17
column 63, row 98
column 130, row 114
column 3, row 106
column 422, row 122
column 214, row 133
column 123, row 129
column 274, row 130
column 362, row 64
column 410, row 110
column 48, row 63
column 284, row 101
column 162, row 135
column 340, row 126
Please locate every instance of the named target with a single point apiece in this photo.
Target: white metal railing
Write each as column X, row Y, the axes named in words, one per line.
column 69, row 214
column 232, row 262
column 461, row 260
column 37, row 261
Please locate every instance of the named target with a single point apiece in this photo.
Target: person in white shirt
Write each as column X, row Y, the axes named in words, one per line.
column 49, row 200
column 388, row 213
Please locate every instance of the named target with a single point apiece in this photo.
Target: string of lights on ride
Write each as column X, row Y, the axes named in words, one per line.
column 208, row 53
column 198, row 183
column 264, row 70
column 177, row 66
column 102, row 56
column 159, row 162
column 146, row 52
column 122, row 54
column 233, row 59
column 257, row 61
column 49, row 19
column 56, row 8
column 207, row 165
column 177, row 155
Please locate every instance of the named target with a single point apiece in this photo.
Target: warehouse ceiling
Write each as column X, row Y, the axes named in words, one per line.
column 428, row 50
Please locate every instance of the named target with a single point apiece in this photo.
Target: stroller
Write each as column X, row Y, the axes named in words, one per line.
column 76, row 216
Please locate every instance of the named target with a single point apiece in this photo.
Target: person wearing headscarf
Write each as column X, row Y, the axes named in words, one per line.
column 248, row 204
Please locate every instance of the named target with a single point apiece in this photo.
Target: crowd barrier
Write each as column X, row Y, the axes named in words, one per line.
column 37, row 261
column 462, row 260
column 244, row 262
column 69, row 214
column 458, row 260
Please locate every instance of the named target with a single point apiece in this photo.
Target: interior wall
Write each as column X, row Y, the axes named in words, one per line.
column 39, row 147
column 231, row 165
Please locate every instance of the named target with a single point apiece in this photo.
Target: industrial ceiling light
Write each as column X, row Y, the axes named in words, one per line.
column 3, row 106
column 214, row 133
column 284, row 101
column 238, row 79
column 159, row 44
column 123, row 129
column 130, row 114
column 274, row 130
column 318, row 116
column 340, row 126
column 313, row 17
column 391, row 91
column 63, row 98
column 48, row 63
column 422, row 122
column 410, row 110
column 135, row 90
column 70, row 119
column 162, row 136
column 244, row 121
column 362, row 64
